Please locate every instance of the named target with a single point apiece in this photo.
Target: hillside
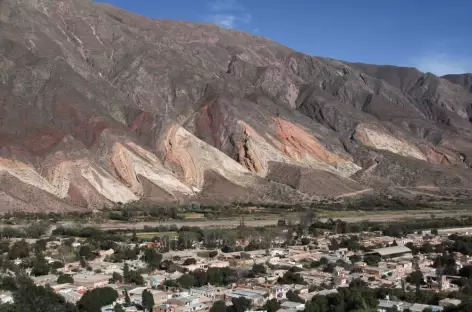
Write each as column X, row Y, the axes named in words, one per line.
column 99, row 105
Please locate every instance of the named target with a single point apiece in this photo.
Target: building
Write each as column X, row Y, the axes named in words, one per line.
column 91, row 281
column 165, row 308
column 6, row 297
column 257, row 297
column 190, row 303
column 211, row 292
column 159, row 296
column 449, row 302
column 290, row 305
column 393, row 252
column 44, row 279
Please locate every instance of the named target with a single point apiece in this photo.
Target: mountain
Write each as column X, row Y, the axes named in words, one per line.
column 99, row 106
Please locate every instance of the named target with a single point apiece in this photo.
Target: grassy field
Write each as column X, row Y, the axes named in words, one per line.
column 150, row 235
column 360, row 213
column 192, row 216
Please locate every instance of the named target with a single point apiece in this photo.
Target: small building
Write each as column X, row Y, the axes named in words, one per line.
column 6, row 297
column 159, row 296
column 297, row 306
column 208, row 291
column 44, row 279
column 257, row 297
column 91, row 281
column 165, row 308
column 449, row 302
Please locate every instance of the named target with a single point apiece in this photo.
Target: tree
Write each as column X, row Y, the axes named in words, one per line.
column 41, row 267
column 292, row 296
column 290, row 278
column 305, row 241
column 416, row 278
column 118, row 308
column 94, row 300
column 30, row 297
column 135, row 278
column 116, row 278
column 466, row 272
column 190, row 261
column 240, row 304
column 87, row 252
column 83, row 262
column 271, row 305
column 372, row 259
column 259, row 269
column 219, row 306
column 186, row 281
column 152, row 258
column 127, row 299
column 8, row 283
column 334, row 245
column 147, row 300
column 427, row 248
column 126, row 273
column 4, row 246
column 355, row 258
column 20, row 249
column 65, row 279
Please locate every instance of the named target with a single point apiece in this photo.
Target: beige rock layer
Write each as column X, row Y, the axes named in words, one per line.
column 370, row 136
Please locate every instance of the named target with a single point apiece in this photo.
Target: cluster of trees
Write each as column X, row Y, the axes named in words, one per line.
column 198, row 278
column 33, row 230
column 238, row 305
column 132, row 276
column 355, row 298
column 291, row 277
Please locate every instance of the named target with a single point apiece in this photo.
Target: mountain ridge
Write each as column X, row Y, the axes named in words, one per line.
column 101, row 106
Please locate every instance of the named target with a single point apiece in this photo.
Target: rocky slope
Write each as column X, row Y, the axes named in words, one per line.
column 98, row 105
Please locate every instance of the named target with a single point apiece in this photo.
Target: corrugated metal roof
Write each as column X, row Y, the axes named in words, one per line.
column 392, row 250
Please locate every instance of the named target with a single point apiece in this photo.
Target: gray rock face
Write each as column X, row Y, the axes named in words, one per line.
column 99, row 105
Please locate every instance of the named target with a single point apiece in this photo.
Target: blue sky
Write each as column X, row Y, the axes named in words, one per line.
column 432, row 35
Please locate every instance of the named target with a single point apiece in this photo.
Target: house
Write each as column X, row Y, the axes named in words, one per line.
column 159, row 296
column 155, row 281
column 218, row 264
column 6, row 297
column 449, row 302
column 297, row 306
column 91, row 281
column 377, row 272
column 70, row 295
column 257, row 297
column 189, row 303
column 44, row 279
column 165, row 308
column 212, row 292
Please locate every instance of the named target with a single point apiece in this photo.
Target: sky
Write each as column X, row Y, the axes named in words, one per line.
column 431, row 35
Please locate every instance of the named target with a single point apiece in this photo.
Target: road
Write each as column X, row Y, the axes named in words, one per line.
column 232, row 223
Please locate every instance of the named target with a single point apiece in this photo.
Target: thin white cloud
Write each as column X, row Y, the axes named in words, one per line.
column 224, row 5
column 227, row 21
column 442, row 63
column 228, row 14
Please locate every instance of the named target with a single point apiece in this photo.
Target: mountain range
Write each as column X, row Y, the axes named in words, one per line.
column 101, row 106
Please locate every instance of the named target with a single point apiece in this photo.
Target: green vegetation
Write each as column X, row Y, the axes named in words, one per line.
column 94, row 300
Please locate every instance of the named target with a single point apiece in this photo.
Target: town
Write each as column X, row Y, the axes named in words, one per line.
column 302, row 266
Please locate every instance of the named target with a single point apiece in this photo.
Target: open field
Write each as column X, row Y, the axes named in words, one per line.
column 348, row 216
column 150, row 235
